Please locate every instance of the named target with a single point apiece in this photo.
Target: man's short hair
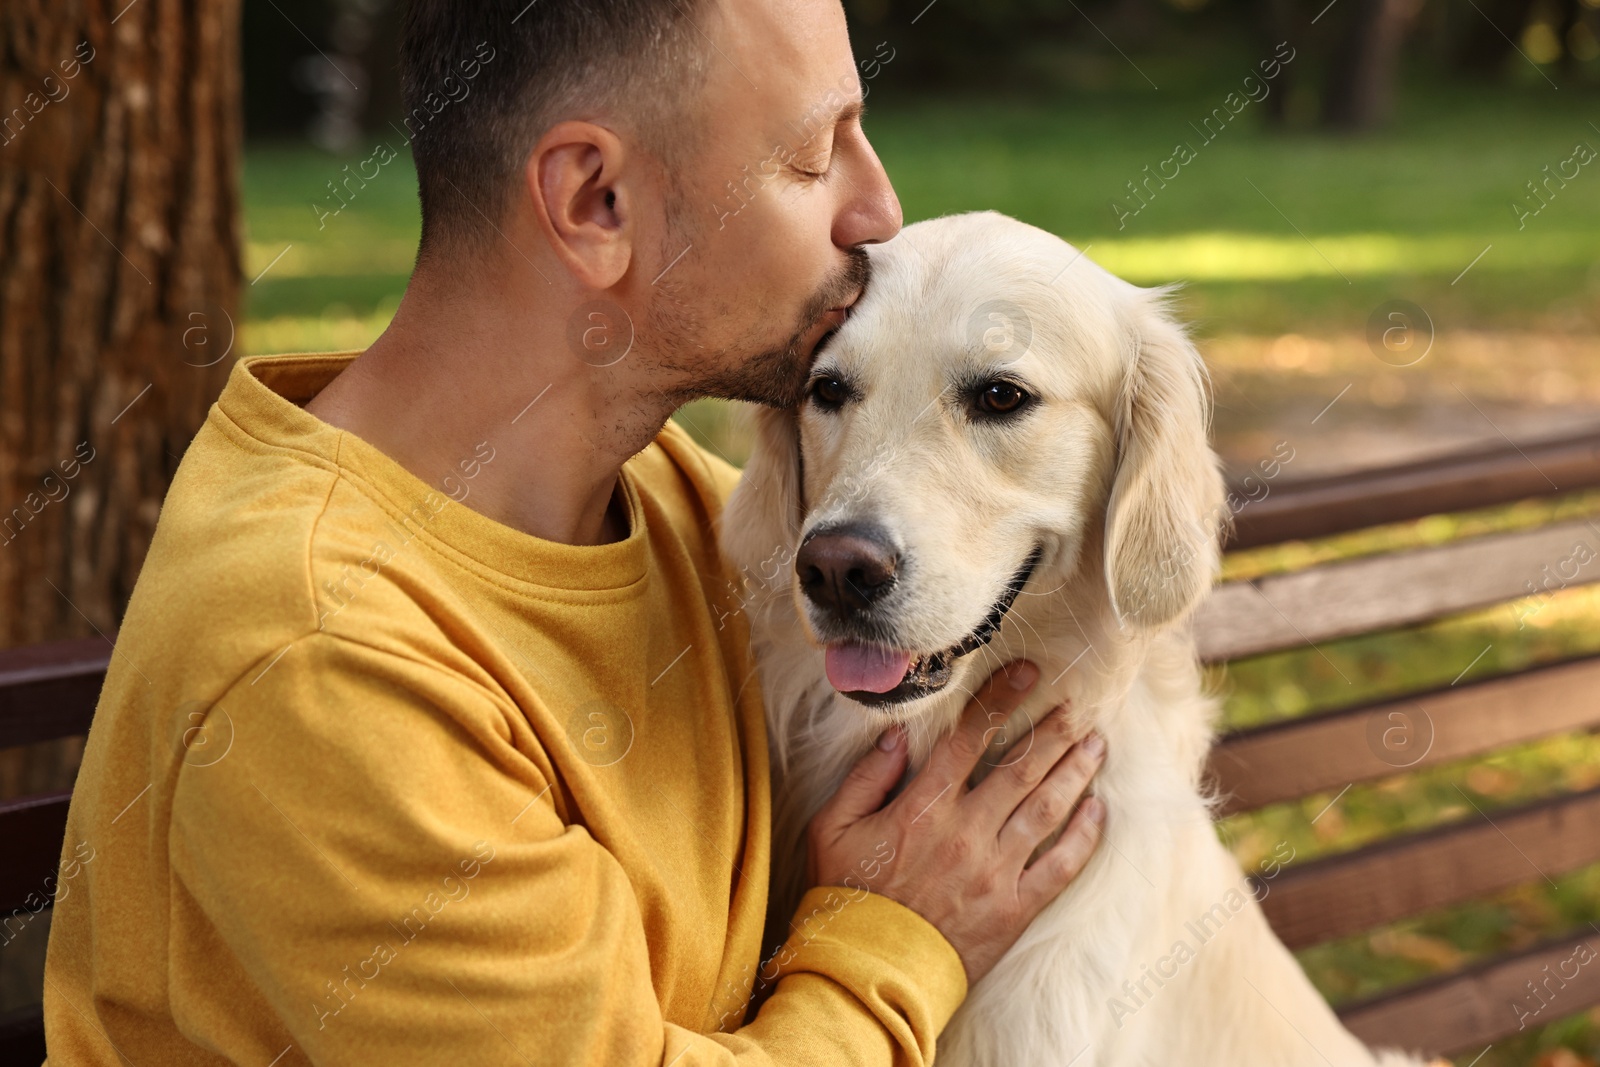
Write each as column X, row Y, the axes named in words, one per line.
column 483, row 79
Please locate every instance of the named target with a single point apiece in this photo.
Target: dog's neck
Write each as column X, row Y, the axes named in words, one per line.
column 1085, row 657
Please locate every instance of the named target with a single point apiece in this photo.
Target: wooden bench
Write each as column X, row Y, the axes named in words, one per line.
column 48, row 692
column 1483, row 853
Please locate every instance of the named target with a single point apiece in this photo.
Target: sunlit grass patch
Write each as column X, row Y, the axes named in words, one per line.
column 1205, row 256
column 335, row 331
column 393, row 255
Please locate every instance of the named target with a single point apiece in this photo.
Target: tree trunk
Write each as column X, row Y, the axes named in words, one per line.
column 1362, row 70
column 1278, row 20
column 1569, row 16
column 1488, row 36
column 119, row 286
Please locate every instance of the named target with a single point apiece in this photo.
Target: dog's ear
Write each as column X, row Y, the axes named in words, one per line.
column 762, row 522
column 1167, row 498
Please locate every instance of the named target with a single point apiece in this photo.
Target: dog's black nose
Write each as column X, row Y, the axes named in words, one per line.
column 845, row 568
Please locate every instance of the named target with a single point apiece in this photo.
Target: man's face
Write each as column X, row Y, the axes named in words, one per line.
column 770, row 214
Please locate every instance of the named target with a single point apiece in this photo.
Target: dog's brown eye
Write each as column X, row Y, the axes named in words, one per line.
column 830, row 393
column 1001, row 398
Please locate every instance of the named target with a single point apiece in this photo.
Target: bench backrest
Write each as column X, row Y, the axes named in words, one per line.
column 1483, row 852
column 47, row 693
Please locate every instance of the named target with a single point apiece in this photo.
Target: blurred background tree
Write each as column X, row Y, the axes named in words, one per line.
column 325, row 68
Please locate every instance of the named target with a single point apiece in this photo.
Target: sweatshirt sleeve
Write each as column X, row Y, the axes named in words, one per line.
column 397, row 885
column 861, row 979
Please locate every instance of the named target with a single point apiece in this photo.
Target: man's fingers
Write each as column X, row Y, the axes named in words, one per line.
column 1024, row 765
column 1061, row 862
column 952, row 759
column 867, row 785
column 1047, row 806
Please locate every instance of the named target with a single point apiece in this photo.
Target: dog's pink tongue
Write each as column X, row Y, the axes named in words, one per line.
column 854, row 667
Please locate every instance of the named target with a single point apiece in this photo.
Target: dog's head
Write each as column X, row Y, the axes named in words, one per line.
column 998, row 413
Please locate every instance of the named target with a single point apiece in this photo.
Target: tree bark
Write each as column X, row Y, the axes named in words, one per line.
column 120, row 135
column 1277, row 20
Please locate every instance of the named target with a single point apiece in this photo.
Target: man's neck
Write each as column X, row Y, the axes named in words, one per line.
column 469, row 370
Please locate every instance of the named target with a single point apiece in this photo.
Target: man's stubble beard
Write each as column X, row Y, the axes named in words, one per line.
column 774, row 375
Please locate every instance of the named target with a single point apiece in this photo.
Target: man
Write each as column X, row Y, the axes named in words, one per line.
column 429, row 737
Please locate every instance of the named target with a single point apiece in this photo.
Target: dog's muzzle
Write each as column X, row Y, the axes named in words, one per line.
column 926, row 674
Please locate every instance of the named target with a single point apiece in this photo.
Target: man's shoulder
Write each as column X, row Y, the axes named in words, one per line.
column 246, row 540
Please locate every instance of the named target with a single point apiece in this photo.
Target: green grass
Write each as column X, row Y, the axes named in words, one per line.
column 1350, row 224
column 339, row 277
column 1401, row 213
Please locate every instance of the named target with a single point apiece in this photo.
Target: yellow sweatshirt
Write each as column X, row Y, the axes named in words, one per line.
column 375, row 779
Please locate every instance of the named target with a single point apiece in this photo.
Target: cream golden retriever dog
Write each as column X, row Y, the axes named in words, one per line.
column 1003, row 454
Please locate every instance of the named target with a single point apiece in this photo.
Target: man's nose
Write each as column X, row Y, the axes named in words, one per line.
column 844, row 569
column 872, row 214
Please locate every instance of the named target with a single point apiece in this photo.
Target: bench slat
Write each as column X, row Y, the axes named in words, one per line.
column 1389, row 591
column 32, row 829
column 1459, row 482
column 1413, row 873
column 1464, row 1012
column 49, row 691
column 1328, row 752
column 22, row 1035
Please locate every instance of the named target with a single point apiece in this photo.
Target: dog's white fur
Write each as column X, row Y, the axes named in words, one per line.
column 1112, row 476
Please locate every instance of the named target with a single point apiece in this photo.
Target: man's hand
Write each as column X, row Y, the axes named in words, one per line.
column 960, row 854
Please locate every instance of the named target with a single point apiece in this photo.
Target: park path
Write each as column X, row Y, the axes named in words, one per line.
column 1340, row 407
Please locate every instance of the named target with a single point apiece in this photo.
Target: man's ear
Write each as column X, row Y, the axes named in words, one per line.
column 1167, row 499
column 584, row 187
column 761, row 524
